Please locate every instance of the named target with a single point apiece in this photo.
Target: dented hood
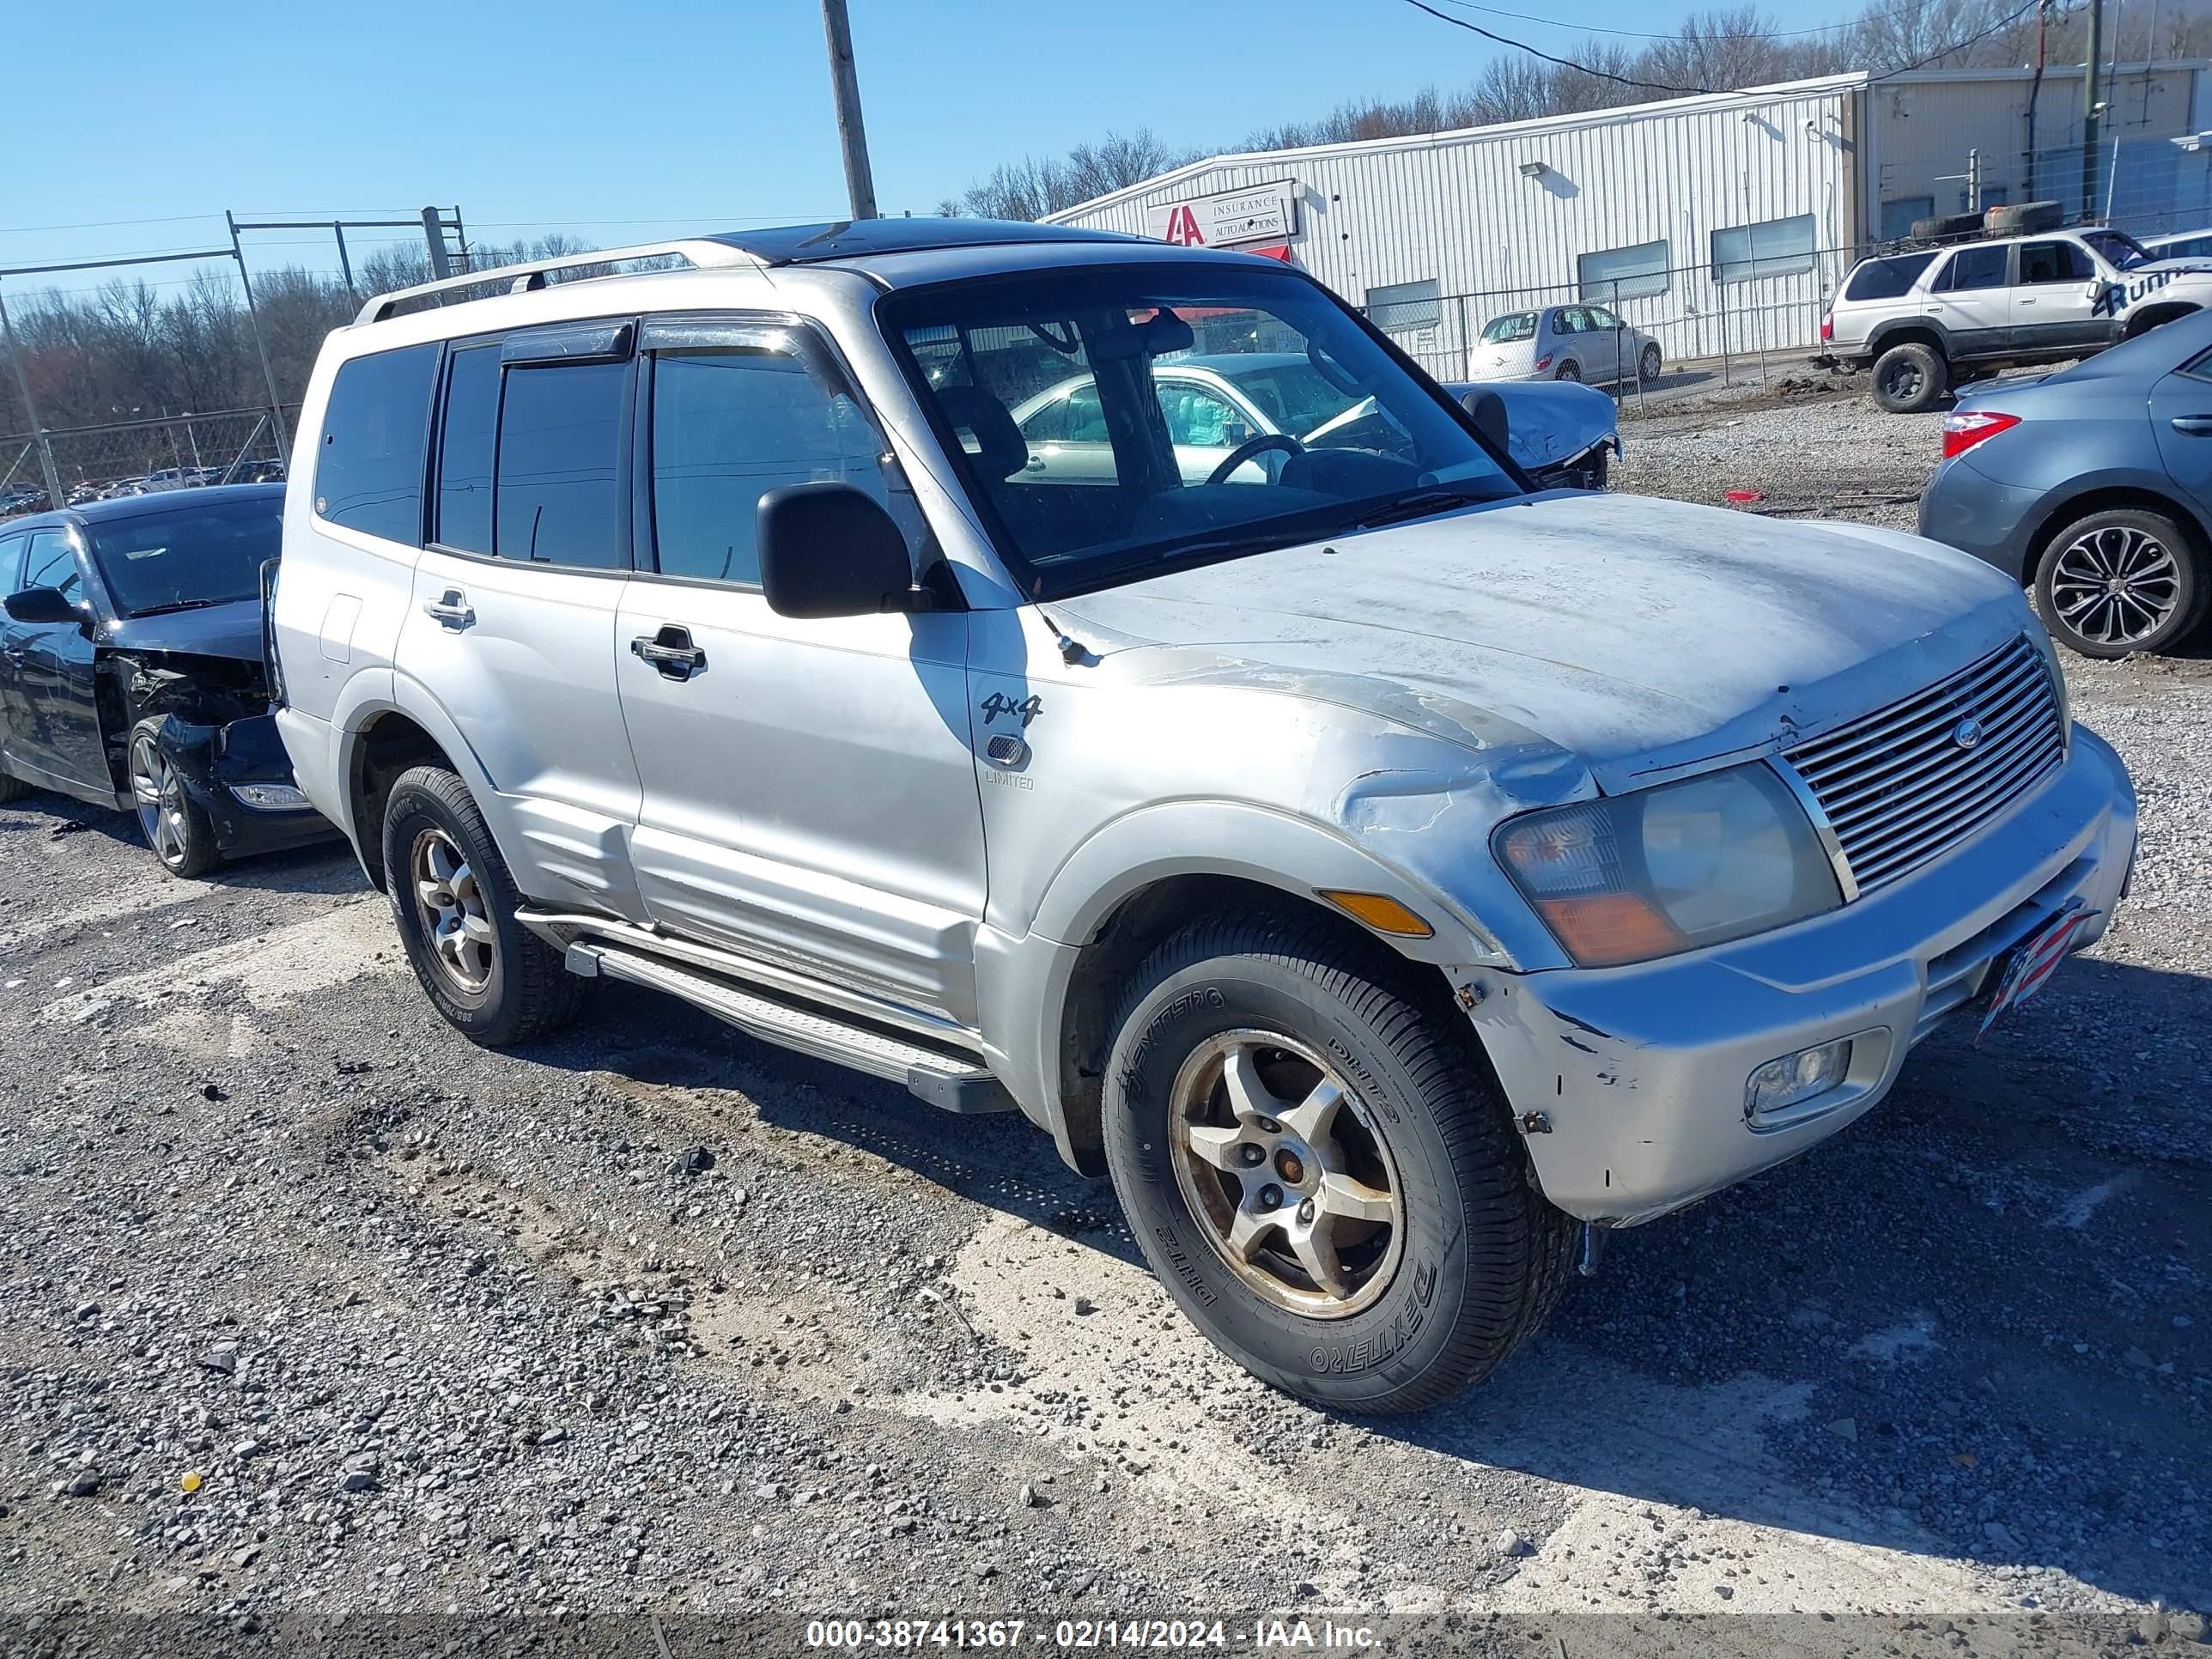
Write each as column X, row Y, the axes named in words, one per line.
column 1640, row 635
column 232, row 628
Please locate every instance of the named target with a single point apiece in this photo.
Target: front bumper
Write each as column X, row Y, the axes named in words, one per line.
column 224, row 768
column 1631, row 1081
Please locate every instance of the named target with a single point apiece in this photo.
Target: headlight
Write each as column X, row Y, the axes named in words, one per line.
column 1698, row 862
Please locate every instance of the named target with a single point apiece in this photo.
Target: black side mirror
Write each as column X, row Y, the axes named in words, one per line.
column 830, row 549
column 1489, row 412
column 43, row 605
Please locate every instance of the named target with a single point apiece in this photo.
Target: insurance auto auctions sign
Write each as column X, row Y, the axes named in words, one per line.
column 1259, row 213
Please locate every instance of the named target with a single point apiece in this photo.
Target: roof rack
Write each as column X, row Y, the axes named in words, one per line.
column 702, row 253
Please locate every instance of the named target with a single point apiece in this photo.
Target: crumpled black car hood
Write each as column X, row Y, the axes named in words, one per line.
column 231, row 630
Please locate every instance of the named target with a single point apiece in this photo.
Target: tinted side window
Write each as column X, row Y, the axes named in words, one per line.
column 557, row 498
column 1972, row 268
column 369, row 471
column 11, row 563
column 729, row 424
column 464, row 449
column 1887, row 279
column 2054, row 262
column 52, row 562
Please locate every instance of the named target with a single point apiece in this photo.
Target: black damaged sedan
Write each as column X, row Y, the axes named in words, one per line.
column 131, row 670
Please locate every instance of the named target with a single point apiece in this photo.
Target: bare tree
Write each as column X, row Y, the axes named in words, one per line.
column 1031, row 188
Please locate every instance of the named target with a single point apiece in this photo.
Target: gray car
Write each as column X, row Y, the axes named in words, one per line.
column 1559, row 434
column 2093, row 486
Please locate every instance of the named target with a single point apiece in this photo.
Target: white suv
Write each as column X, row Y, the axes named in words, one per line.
column 1936, row 319
column 1382, row 871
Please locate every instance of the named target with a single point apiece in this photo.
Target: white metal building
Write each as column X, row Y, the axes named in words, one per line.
column 1719, row 223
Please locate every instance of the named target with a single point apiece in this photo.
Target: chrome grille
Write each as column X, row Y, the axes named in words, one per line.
column 1900, row 788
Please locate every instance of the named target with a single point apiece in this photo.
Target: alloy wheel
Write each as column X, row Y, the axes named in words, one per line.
column 1902, row 381
column 159, row 795
column 1297, row 1187
column 449, row 902
column 2116, row 584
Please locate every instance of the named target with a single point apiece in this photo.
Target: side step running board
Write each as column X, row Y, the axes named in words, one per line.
column 950, row 1082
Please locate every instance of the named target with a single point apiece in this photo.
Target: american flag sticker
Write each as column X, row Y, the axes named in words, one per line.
column 2034, row 959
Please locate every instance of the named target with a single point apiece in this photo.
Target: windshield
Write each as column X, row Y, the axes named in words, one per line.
column 1113, row 420
column 206, row 554
column 2119, row 249
column 1520, row 326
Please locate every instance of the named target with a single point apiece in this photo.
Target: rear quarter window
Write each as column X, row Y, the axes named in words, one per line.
column 375, row 436
column 1887, row 279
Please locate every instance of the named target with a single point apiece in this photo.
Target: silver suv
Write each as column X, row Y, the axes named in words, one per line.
column 1394, row 878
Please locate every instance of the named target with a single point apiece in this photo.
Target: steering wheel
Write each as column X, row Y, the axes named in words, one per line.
column 1251, row 446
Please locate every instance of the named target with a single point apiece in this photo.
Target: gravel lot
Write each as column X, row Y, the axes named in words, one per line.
column 307, row 1307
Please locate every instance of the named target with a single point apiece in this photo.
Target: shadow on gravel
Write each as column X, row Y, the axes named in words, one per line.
column 1000, row 1161
column 1974, row 1325
column 325, row 867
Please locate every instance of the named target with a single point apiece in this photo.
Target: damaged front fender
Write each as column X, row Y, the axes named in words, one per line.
column 239, row 775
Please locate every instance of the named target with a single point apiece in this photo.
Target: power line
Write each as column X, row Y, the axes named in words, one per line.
column 1564, row 62
column 1863, row 18
column 2002, row 23
column 105, row 224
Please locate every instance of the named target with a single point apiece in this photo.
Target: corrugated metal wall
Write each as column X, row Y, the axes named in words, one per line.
column 1457, row 210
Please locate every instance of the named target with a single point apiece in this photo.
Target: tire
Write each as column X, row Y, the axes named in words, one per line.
column 496, row 982
column 177, row 830
column 1947, row 224
column 2162, row 569
column 1910, row 378
column 1425, row 1305
column 2025, row 218
column 12, row 788
column 1570, row 370
column 1648, row 365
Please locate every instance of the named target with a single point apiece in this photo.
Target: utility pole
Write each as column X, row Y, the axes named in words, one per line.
column 54, row 501
column 845, row 81
column 434, row 235
column 2090, row 110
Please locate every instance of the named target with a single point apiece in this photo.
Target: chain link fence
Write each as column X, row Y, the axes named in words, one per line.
column 1759, row 325
column 139, row 457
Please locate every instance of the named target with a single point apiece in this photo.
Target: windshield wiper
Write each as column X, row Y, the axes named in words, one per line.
column 1420, row 505
column 180, row 605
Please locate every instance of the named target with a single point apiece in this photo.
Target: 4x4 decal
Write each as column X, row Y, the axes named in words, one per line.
column 999, row 703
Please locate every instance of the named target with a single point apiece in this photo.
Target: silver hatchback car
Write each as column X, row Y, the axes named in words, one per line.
column 1563, row 343
column 1388, row 876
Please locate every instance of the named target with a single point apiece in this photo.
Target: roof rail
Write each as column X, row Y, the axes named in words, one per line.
column 700, row 253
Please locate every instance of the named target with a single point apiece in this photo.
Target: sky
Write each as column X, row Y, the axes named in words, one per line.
column 625, row 122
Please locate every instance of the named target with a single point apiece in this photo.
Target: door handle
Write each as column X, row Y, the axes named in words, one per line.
column 2023, row 302
column 2197, row 426
column 451, row 611
column 672, row 651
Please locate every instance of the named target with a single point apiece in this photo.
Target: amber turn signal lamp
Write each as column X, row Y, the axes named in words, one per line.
column 1601, row 929
column 1382, row 913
